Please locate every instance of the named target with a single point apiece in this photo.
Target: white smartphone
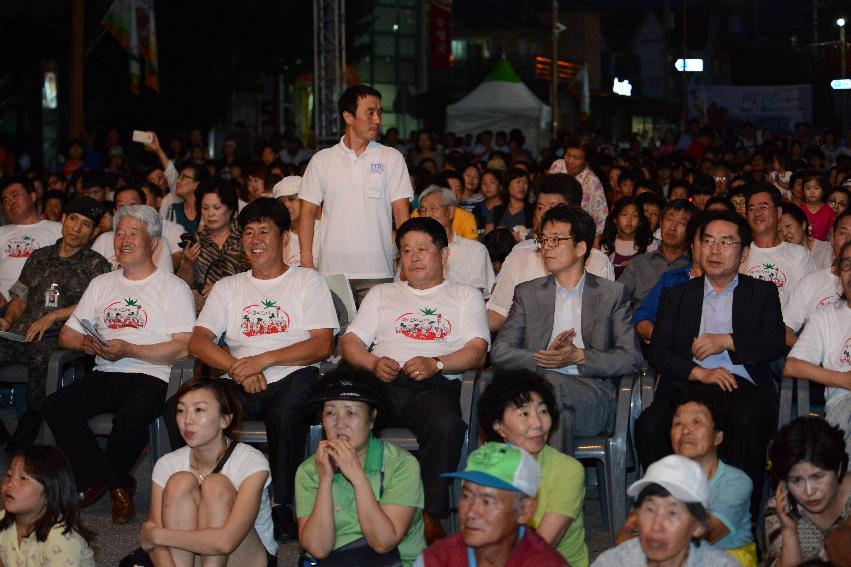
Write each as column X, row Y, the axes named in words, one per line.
column 143, row 137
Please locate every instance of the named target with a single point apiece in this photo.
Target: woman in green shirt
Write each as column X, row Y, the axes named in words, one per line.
column 519, row 408
column 358, row 499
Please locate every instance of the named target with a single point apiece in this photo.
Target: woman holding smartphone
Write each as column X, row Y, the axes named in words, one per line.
column 808, row 516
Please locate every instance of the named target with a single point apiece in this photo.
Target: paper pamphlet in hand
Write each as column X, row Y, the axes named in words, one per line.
column 92, row 330
column 13, row 337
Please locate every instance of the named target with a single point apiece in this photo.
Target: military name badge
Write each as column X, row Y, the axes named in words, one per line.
column 51, row 296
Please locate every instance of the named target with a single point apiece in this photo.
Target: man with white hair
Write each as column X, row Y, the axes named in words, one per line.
column 137, row 322
column 469, row 261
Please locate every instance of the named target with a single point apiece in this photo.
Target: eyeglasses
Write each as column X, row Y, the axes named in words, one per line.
column 760, row 207
column 720, row 179
column 725, row 243
column 551, row 241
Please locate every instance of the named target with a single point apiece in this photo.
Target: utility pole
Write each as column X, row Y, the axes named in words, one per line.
column 76, row 128
column 842, row 52
column 554, row 82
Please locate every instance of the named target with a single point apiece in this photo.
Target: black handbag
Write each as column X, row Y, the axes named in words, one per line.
column 139, row 557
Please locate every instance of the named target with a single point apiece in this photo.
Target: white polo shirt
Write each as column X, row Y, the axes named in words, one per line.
column 356, row 193
column 525, row 264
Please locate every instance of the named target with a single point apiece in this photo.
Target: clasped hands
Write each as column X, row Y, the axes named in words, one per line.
column 248, row 373
column 417, row 368
column 561, row 352
column 337, row 451
column 705, row 346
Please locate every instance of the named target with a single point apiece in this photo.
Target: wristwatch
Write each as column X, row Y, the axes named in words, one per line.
column 439, row 364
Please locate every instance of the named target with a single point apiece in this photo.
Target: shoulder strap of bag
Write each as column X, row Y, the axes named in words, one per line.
column 225, row 457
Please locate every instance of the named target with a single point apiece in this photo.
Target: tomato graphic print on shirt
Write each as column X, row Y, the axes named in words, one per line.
column 427, row 325
column 768, row 272
column 125, row 314
column 20, row 247
column 845, row 355
column 265, row 318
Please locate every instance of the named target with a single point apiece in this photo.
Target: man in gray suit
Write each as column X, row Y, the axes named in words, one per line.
column 573, row 327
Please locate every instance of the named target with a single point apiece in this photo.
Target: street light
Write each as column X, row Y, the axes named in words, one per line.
column 840, row 22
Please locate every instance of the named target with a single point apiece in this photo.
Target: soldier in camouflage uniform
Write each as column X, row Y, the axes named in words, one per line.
column 49, row 287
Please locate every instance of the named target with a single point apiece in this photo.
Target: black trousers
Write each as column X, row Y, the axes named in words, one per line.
column 135, row 400
column 281, row 408
column 750, row 417
column 431, row 409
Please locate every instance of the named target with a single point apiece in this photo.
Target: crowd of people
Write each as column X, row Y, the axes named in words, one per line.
column 721, row 261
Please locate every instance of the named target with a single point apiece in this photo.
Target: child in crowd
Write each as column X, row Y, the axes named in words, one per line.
column 40, row 524
column 626, row 234
column 819, row 215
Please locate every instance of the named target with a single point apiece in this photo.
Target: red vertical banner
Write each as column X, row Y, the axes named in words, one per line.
column 441, row 33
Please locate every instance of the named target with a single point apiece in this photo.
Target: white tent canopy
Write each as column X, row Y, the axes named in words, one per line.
column 501, row 102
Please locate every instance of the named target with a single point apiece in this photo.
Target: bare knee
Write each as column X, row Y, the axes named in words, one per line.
column 218, row 488
column 179, row 486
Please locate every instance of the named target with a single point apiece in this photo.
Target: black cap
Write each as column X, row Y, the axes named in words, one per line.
column 342, row 386
column 85, row 206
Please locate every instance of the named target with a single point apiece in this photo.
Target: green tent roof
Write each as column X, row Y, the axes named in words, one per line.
column 503, row 72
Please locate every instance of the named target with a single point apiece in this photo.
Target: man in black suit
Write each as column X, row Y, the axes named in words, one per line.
column 722, row 329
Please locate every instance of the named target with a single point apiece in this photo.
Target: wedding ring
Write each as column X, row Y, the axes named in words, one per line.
column 417, row 372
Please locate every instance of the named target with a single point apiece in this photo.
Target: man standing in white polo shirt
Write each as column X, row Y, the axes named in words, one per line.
column 363, row 187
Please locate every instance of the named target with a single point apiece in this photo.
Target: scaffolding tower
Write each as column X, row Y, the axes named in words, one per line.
column 329, row 68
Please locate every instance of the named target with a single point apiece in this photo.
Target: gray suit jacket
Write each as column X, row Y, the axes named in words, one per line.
column 611, row 345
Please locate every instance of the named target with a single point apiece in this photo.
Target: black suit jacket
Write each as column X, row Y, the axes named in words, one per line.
column 758, row 331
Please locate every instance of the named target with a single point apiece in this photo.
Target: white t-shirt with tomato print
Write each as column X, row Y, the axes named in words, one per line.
column 783, row 265
column 826, row 341
column 141, row 312
column 17, row 242
column 401, row 322
column 257, row 316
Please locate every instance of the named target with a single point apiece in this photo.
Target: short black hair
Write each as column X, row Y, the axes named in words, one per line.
column 703, row 185
column 225, row 189
column 561, row 184
column 795, row 212
column 652, row 198
column 718, row 199
column 822, row 181
column 445, row 176
column 843, row 215
column 349, row 99
column 744, row 229
column 808, row 439
column 22, row 180
column 582, row 225
column 512, row 388
column 773, row 191
column 499, row 242
column 423, row 224
column 199, row 170
column 679, row 205
column 137, row 187
column 266, row 208
column 708, row 397
column 93, row 179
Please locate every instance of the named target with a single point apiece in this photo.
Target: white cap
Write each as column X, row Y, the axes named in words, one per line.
column 287, row 187
column 680, row 476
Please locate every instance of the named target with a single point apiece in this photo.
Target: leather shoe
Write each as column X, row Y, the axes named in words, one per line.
column 91, row 495
column 122, row 504
column 433, row 528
